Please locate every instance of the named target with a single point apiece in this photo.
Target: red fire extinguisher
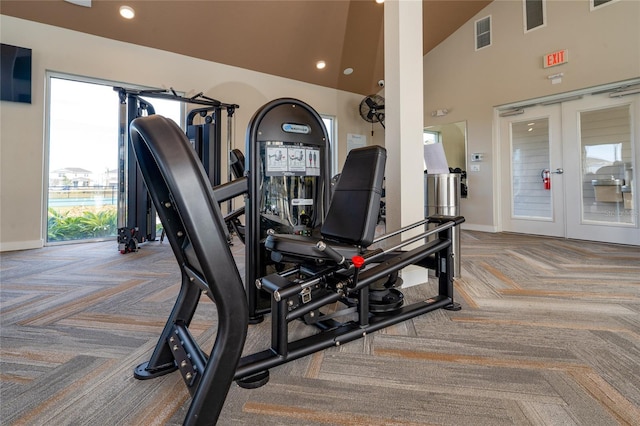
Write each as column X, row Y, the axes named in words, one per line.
column 546, row 179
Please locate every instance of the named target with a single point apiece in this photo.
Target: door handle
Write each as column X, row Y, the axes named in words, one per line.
column 559, row 171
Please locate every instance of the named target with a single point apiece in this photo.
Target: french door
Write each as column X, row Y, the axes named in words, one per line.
column 531, row 204
column 601, row 137
column 570, row 170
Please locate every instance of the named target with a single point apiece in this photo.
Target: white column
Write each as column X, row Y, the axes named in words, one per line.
column 403, row 112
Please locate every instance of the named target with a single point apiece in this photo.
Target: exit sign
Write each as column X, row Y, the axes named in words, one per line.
column 556, row 58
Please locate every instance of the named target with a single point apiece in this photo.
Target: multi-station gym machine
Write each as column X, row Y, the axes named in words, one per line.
column 136, row 213
column 287, row 149
column 310, row 256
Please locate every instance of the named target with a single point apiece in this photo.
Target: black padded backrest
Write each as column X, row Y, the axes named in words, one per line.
column 190, row 215
column 236, row 158
column 353, row 212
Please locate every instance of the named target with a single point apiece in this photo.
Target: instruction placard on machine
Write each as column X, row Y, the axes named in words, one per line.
column 292, row 161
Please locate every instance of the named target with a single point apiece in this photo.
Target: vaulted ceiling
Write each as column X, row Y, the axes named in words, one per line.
column 283, row 38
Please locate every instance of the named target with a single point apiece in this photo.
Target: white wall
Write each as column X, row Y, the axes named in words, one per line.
column 603, row 45
column 22, row 135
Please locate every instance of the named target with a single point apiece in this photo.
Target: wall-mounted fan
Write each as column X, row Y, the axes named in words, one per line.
column 372, row 110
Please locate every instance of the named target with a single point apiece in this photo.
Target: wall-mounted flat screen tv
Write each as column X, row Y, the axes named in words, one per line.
column 15, row 74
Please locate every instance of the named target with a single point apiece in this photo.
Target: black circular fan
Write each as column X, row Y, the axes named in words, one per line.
column 372, row 109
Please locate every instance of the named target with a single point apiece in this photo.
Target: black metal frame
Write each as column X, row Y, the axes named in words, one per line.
column 189, row 210
column 353, row 283
column 206, row 138
column 195, row 228
column 138, row 215
column 266, row 125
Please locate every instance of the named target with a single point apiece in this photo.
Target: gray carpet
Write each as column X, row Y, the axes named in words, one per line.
column 549, row 334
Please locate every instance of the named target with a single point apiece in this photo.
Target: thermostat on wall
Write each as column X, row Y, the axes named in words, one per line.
column 476, row 156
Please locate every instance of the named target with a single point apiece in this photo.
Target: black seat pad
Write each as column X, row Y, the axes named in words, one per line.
column 352, row 217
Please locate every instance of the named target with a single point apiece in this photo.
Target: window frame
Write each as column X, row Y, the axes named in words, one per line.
column 592, row 5
column 524, row 16
column 332, row 131
column 475, row 33
column 49, row 76
column 437, row 136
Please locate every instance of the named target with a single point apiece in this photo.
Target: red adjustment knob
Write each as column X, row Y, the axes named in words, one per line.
column 357, row 261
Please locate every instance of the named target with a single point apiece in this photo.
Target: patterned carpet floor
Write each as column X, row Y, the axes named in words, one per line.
column 548, row 334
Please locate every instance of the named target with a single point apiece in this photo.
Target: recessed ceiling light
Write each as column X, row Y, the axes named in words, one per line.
column 127, row 12
column 347, row 71
column 379, row 1
column 321, row 64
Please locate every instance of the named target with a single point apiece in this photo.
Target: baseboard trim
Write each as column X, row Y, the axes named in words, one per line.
column 482, row 228
column 21, row 245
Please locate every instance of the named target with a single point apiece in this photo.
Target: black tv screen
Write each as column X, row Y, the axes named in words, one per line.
column 15, row 72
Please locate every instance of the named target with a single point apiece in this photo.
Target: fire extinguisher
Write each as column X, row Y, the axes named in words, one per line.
column 546, row 179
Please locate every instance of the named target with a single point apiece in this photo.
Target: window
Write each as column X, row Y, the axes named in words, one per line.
column 82, row 157
column 430, row 137
column 83, row 148
column 330, row 124
column 596, row 4
column 534, row 14
column 483, row 32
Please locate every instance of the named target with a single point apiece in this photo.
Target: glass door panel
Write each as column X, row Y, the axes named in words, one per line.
column 83, row 157
column 600, row 136
column 607, row 165
column 530, row 160
column 532, row 191
column 82, row 161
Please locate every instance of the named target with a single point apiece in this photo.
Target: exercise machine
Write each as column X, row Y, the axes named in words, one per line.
column 287, row 166
column 136, row 213
column 335, row 266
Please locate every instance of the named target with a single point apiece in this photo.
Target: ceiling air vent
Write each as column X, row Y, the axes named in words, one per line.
column 483, row 32
column 84, row 3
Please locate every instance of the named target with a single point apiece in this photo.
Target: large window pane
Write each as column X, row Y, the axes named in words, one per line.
column 83, row 161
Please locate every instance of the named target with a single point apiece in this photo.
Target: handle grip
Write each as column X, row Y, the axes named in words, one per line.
column 334, row 255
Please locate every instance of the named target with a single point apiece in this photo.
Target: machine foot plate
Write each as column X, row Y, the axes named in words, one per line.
column 254, row 381
column 142, row 372
column 453, row 307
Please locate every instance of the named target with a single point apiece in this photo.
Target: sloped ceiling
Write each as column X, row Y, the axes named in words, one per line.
column 283, row 38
